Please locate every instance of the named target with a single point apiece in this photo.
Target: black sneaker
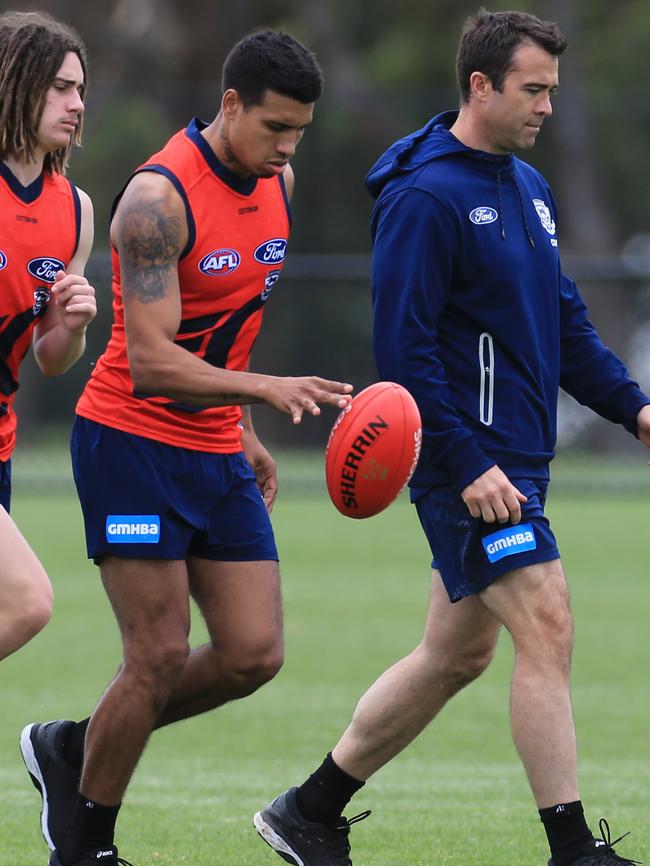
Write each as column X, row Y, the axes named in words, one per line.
column 600, row 852
column 99, row 857
column 53, row 777
column 304, row 843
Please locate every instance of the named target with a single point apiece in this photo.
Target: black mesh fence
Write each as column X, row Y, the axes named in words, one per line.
column 318, row 321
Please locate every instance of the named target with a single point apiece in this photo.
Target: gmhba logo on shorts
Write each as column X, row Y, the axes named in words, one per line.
column 3, row 260
column 506, row 542
column 218, row 263
column 133, row 528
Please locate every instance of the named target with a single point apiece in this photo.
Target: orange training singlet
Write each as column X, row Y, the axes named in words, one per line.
column 238, row 231
column 39, row 233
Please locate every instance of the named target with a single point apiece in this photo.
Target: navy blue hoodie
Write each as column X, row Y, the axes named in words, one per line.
column 472, row 313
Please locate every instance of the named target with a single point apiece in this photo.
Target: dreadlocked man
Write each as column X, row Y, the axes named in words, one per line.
column 46, row 233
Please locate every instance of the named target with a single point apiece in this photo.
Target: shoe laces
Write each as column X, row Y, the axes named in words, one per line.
column 607, row 856
column 340, row 845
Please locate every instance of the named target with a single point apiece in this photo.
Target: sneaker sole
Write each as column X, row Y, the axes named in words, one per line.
column 279, row 845
column 27, row 751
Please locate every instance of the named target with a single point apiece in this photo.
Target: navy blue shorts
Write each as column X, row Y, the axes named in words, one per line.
column 141, row 498
column 5, row 484
column 469, row 553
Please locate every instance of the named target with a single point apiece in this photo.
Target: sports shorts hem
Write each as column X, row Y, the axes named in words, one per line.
column 133, row 555
column 522, row 561
column 471, row 554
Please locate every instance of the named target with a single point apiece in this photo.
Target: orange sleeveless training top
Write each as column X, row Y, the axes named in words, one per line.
column 238, row 231
column 39, row 233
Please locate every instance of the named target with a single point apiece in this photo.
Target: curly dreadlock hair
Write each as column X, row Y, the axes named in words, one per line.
column 33, row 46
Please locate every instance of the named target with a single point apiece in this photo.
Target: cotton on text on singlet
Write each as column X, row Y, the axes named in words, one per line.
column 238, row 231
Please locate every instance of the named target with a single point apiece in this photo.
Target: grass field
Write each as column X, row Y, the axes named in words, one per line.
column 355, row 595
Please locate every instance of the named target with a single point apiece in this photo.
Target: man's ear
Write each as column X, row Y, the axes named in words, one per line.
column 480, row 86
column 230, row 103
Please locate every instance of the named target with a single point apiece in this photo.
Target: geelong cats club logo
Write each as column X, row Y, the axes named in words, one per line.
column 271, row 279
column 544, row 214
column 41, row 300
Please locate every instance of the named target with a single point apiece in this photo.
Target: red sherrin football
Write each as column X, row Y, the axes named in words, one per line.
column 373, row 449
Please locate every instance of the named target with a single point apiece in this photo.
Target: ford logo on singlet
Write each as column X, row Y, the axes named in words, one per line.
column 219, row 263
column 3, row 260
column 271, row 252
column 482, row 216
column 45, row 268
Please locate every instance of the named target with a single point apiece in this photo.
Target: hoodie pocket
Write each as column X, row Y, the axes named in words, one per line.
column 486, row 366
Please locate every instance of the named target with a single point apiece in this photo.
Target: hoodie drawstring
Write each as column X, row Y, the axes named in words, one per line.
column 523, row 212
column 500, row 207
column 531, row 240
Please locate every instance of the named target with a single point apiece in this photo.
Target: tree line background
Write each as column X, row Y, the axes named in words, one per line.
column 388, row 67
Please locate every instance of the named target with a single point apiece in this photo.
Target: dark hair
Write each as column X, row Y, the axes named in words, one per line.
column 490, row 39
column 33, row 46
column 272, row 60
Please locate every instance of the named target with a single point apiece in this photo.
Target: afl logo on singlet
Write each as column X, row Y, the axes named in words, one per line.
column 271, row 252
column 3, row 260
column 219, row 263
column 45, row 268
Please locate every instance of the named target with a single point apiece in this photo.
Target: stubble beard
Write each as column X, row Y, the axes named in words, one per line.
column 228, row 153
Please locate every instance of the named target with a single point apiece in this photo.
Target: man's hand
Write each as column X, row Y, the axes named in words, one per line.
column 643, row 425
column 295, row 395
column 492, row 497
column 263, row 466
column 75, row 301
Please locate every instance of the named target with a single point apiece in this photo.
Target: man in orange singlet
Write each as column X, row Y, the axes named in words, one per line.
column 174, row 484
column 46, row 231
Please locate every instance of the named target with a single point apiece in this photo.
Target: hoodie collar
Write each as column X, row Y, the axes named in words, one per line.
column 432, row 141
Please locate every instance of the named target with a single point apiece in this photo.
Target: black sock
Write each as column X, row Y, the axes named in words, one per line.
column 92, row 828
column 326, row 793
column 73, row 745
column 567, row 831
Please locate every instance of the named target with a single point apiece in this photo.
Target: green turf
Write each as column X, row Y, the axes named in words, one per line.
column 355, row 596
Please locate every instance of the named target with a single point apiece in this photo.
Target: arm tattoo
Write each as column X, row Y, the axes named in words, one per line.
column 150, row 247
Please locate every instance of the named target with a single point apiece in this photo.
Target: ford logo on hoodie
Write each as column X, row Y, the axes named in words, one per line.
column 482, row 216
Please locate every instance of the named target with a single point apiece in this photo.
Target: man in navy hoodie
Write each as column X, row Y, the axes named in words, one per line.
column 473, row 315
